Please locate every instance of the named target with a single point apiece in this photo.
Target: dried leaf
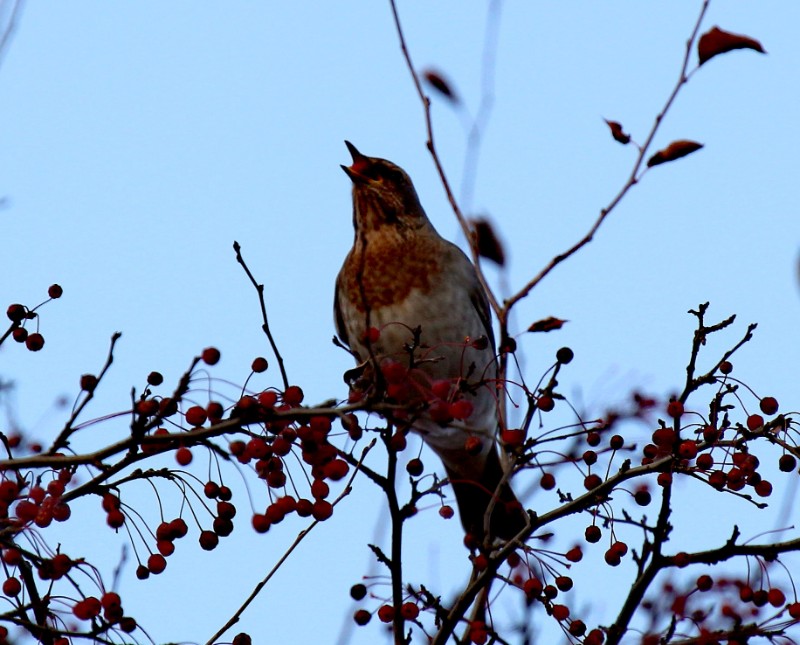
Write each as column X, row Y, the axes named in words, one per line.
column 486, row 241
column 438, row 82
column 617, row 133
column 673, row 151
column 547, row 324
column 716, row 41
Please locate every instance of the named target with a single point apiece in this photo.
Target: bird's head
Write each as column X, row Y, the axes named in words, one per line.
column 382, row 194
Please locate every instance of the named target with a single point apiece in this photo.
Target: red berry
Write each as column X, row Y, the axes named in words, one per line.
column 362, row 617
column 577, row 628
column 409, row 610
column 548, row 481
column 225, row 494
column 165, row 548
column 575, row 554
column 754, row 422
column 156, row 563
column 372, row 335
column 442, row 388
column 473, row 445
column 460, row 410
column 115, row 519
column 776, row 598
column 210, row 356
column 336, row 469
column 533, row 587
column 226, row 510
column 705, row 461
column 687, row 449
column 322, row 510
column 705, row 582
column 446, row 512
column 545, row 403
column 8, row 491
column 763, row 488
column 642, row 497
column 260, row 523
column 787, row 463
column 616, row 442
column 593, row 533
column 178, row 528
column 12, row 587
column 675, row 409
column 259, row 365
column 55, row 291
column 398, row 442
column 304, row 507
column 319, row 489
column 726, row 367
column 16, row 313
column 87, row 608
column 88, row 382
column 293, row 396
column 415, row 467
column 560, row 612
column 386, row 613
column 794, row 610
column 12, row 556
column 769, row 405
column 34, row 342
column 211, row 489
column 513, row 437
column 480, row 562
column 592, row 481
column 155, row 378
column 20, row 334
column 208, row 540
column 564, row 583
column 111, row 600
column 196, row 415
column 183, row 456
column 612, row 558
column 565, row 355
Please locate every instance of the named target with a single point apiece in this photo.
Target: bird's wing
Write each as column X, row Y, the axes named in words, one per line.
column 481, row 303
column 338, row 319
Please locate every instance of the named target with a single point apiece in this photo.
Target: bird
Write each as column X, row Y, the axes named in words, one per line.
column 409, row 304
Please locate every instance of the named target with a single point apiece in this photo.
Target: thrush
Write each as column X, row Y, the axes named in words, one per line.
column 409, row 304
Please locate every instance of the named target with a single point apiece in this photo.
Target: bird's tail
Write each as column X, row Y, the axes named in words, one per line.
column 475, row 496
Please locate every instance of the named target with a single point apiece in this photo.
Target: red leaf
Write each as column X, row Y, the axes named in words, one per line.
column 673, row 151
column 486, row 241
column 617, row 133
column 547, row 324
column 716, row 41
column 438, row 82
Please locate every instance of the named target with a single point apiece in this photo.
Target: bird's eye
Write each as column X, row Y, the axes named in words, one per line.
column 394, row 176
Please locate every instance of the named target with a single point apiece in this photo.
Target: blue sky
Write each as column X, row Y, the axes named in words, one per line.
column 139, row 140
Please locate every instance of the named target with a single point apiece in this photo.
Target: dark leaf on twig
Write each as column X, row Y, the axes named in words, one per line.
column 438, row 82
column 716, row 41
column 617, row 132
column 486, row 241
column 673, row 151
column 547, row 324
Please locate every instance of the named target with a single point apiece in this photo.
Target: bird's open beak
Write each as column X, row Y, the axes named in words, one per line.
column 360, row 162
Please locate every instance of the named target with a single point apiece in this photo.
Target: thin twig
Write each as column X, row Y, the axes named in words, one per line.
column 633, row 179
column 265, row 326
column 63, row 438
